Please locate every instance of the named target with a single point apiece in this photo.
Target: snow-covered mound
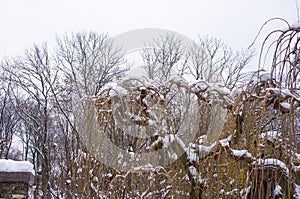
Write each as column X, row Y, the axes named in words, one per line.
column 15, row 166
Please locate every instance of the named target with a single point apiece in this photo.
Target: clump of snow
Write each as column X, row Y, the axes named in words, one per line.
column 193, row 171
column 16, row 166
column 212, row 88
column 271, row 162
column 151, row 122
column 199, row 86
column 240, row 153
column 191, row 152
column 114, row 89
column 194, row 151
column 278, row 191
column 297, row 191
column 285, row 105
column 225, row 142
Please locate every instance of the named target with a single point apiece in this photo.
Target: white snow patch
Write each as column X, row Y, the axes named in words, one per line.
column 190, row 151
column 199, row 86
column 240, row 153
column 194, row 150
column 193, row 171
column 79, row 170
column 115, row 89
column 271, row 162
column 16, row 166
column 151, row 122
column 225, row 142
column 278, row 191
column 297, row 191
column 285, row 105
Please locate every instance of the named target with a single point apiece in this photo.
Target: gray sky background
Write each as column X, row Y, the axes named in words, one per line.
column 236, row 22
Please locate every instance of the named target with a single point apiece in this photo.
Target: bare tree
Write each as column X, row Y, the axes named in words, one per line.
column 214, row 61
column 8, row 119
column 163, row 56
column 88, row 61
column 235, row 72
column 197, row 58
column 34, row 77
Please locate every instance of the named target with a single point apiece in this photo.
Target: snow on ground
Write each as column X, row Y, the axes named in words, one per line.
column 16, row 166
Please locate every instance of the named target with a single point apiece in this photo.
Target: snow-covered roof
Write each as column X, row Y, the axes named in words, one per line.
column 16, row 166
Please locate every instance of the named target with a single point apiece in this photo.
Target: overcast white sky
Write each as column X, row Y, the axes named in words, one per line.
column 236, row 22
